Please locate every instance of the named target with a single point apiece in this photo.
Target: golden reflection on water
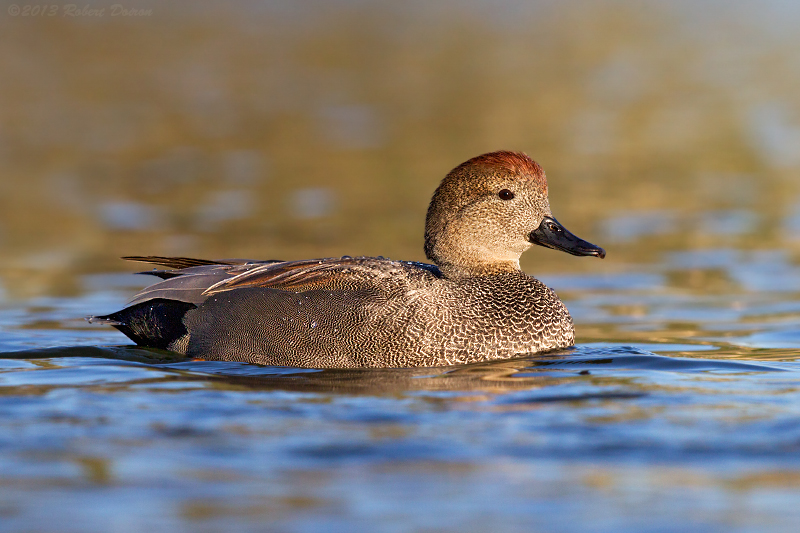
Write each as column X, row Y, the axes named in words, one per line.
column 280, row 131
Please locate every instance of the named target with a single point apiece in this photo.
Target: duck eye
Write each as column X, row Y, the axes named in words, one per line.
column 505, row 194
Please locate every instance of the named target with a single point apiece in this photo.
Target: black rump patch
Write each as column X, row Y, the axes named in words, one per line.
column 155, row 323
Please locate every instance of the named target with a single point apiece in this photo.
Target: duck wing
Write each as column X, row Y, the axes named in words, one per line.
column 194, row 280
column 188, row 278
column 328, row 273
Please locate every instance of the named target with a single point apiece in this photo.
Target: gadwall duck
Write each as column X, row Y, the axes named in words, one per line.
column 474, row 304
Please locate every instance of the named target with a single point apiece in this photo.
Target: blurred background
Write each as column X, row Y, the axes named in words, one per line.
column 308, row 129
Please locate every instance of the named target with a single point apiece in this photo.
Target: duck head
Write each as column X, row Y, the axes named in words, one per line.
column 488, row 211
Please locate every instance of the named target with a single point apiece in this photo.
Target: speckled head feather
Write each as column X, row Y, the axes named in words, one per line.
column 476, row 175
column 469, row 230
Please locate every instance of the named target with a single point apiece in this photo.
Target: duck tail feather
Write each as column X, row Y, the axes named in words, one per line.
column 175, row 262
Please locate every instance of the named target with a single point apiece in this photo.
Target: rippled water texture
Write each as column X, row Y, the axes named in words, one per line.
column 670, row 133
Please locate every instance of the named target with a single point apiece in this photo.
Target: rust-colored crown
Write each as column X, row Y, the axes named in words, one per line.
column 514, row 162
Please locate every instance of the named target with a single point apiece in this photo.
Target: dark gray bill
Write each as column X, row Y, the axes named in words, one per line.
column 551, row 234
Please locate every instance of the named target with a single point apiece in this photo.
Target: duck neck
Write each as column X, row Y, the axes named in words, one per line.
column 456, row 271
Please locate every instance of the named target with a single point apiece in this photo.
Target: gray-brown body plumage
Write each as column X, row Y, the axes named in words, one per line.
column 474, row 305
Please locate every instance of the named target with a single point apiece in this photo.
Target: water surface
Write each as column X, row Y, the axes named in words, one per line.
column 674, row 408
